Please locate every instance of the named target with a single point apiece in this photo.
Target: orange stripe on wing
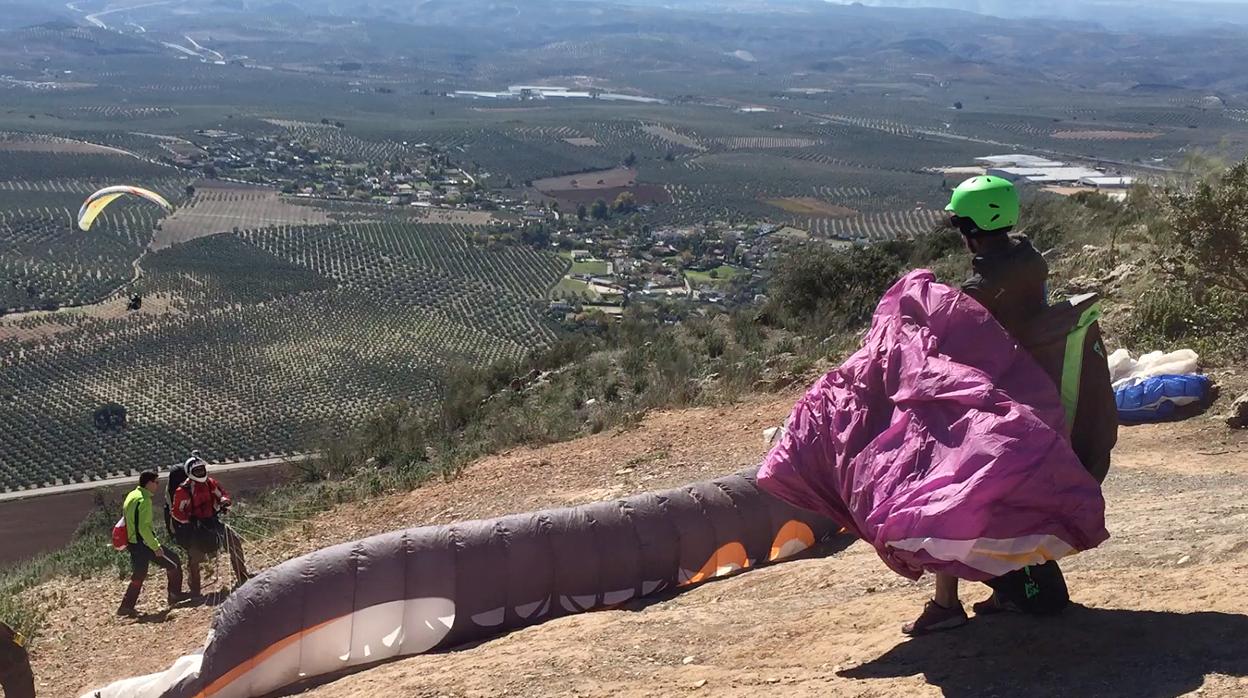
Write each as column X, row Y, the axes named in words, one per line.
column 237, row 672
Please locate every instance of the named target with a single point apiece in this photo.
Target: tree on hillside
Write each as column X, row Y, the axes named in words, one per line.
column 581, row 212
column 626, row 202
column 599, row 211
column 1210, row 228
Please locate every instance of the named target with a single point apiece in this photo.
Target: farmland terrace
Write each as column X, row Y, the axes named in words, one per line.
column 359, row 207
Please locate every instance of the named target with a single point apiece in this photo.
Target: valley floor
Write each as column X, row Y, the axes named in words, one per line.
column 1160, row 611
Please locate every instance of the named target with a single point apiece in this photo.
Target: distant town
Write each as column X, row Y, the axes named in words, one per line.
column 615, row 257
column 411, row 175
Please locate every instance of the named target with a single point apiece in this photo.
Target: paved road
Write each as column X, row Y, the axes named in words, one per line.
column 94, row 18
column 43, row 520
column 217, row 469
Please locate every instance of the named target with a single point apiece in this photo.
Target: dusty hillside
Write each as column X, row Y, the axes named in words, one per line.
column 1161, row 616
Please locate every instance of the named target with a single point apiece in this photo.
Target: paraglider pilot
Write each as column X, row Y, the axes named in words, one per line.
column 197, row 507
column 1010, row 281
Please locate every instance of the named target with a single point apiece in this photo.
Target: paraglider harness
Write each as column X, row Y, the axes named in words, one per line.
column 205, row 535
column 1066, row 341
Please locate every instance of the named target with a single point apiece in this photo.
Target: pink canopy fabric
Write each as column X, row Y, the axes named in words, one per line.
column 942, row 443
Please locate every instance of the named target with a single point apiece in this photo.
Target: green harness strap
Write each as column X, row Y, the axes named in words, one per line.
column 1072, row 365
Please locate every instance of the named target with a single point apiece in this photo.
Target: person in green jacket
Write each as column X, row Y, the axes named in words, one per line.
column 145, row 549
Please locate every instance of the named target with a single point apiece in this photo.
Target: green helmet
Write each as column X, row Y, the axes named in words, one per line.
column 991, row 203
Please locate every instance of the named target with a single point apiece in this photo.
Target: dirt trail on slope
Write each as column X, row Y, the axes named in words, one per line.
column 1161, row 615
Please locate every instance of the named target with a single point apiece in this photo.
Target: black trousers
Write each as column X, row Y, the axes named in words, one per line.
column 141, row 558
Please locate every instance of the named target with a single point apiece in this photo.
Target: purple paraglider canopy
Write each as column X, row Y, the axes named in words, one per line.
column 942, row 443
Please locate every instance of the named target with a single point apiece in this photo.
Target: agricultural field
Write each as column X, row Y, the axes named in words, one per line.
column 574, row 290
column 456, row 217
column 45, row 261
column 1095, row 135
column 810, row 206
column 265, row 340
column 585, row 267
column 673, row 137
column 788, row 186
column 219, row 207
column 602, row 179
column 28, row 166
column 26, row 143
column 339, row 143
column 876, row 227
column 713, row 277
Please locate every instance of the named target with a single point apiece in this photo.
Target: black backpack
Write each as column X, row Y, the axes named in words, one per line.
column 177, row 476
column 1036, row 590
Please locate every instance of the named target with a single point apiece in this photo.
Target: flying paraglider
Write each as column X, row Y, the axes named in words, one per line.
column 97, row 202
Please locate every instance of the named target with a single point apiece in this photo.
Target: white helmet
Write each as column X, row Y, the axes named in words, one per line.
column 195, row 462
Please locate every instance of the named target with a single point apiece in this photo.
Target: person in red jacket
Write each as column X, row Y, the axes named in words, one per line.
column 196, row 512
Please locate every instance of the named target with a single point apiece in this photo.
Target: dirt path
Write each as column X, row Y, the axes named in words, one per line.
column 1161, row 614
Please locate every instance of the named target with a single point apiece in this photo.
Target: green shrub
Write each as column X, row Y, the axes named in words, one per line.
column 825, row 290
column 1212, row 322
column 1209, row 225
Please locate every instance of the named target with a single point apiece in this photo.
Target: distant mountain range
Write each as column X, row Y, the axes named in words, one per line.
column 25, row 13
column 677, row 43
column 1113, row 14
